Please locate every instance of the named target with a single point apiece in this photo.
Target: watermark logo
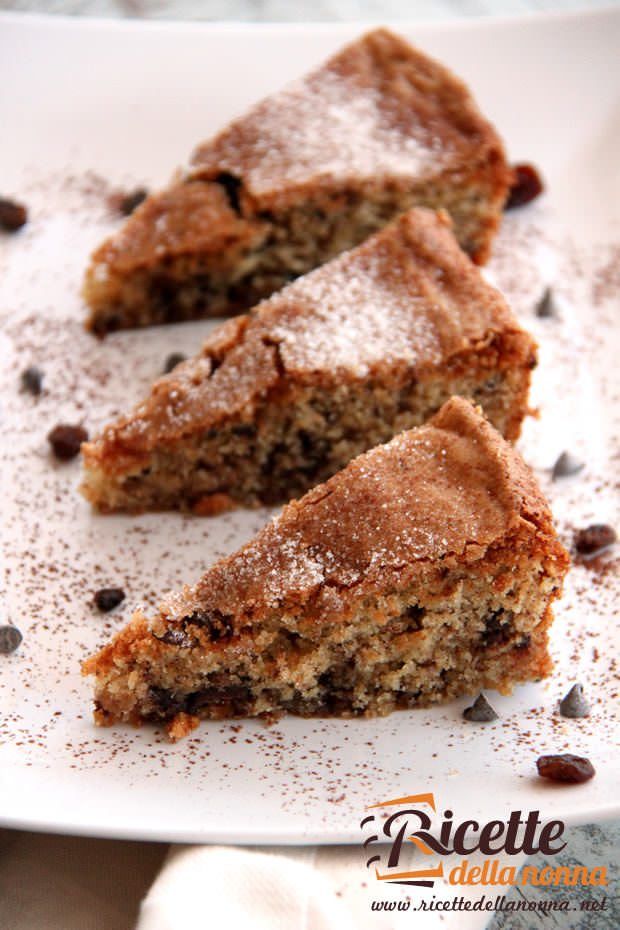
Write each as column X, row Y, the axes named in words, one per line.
column 406, row 823
column 397, row 834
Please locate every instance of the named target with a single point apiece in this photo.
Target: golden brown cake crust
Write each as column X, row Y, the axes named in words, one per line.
column 304, row 175
column 405, row 301
column 185, row 218
column 424, row 570
column 448, row 490
column 378, row 111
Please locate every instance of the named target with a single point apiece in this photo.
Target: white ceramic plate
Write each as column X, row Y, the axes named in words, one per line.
column 84, row 101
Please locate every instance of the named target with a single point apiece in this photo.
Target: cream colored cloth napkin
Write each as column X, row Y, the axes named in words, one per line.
column 286, row 888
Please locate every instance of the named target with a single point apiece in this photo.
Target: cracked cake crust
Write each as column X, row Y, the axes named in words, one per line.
column 304, row 175
column 338, row 361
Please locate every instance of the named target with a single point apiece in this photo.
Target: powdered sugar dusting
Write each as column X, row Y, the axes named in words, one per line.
column 361, row 311
column 344, row 121
column 399, row 305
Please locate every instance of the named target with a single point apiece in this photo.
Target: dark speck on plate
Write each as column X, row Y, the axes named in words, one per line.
column 565, row 768
column 527, row 185
column 545, row 306
column 106, row 599
column 574, row 703
column 125, row 202
column 10, row 638
column 66, row 439
column 31, row 380
column 174, row 359
column 593, row 539
column 13, row 215
column 566, row 465
column 480, row 711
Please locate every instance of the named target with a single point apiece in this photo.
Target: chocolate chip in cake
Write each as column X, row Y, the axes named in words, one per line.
column 574, row 703
column 527, row 185
column 498, row 628
column 66, row 439
column 237, row 695
column 566, row 465
column 480, row 711
column 106, row 599
column 177, row 637
column 412, row 618
column 174, row 359
column 126, row 202
column 231, row 185
column 545, row 307
column 166, row 703
column 13, row 215
column 218, row 625
column 248, row 430
column 410, row 621
column 10, row 638
column 594, row 539
column 565, row 768
column 31, row 380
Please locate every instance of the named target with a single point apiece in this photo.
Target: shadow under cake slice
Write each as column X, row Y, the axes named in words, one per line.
column 423, row 571
column 304, row 175
column 339, row 361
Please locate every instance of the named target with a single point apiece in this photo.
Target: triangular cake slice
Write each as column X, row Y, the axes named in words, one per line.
column 339, row 361
column 304, row 175
column 422, row 571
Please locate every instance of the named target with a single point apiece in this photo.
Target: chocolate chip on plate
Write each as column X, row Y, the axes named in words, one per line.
column 13, row 215
column 574, row 704
column 10, row 638
column 106, row 599
column 126, row 202
column 545, row 307
column 480, row 711
column 527, row 185
column 174, row 359
column 66, row 439
column 593, row 539
column 565, row 465
column 31, row 380
column 566, row 768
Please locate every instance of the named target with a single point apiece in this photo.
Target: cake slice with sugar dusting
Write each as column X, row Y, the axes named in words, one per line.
column 304, row 175
column 423, row 571
column 339, row 361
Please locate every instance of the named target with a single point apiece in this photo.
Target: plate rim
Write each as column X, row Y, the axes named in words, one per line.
column 604, row 811
column 457, row 23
